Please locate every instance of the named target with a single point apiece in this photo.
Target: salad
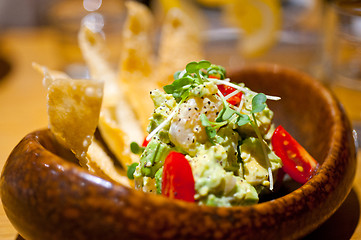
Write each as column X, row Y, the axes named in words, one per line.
column 213, row 142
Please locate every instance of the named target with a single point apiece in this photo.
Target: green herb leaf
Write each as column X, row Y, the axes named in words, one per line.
column 220, row 115
column 203, row 64
column 176, row 75
column 211, row 127
column 258, row 103
column 228, row 113
column 181, row 82
column 131, row 170
column 211, row 133
column 179, row 88
column 168, row 89
column 192, row 67
column 195, row 67
column 217, row 71
column 205, row 121
column 243, row 119
column 135, row 148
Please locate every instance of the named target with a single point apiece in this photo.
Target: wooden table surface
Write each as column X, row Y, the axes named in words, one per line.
column 23, row 109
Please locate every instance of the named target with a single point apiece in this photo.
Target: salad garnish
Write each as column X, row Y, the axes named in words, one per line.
column 197, row 73
column 210, row 141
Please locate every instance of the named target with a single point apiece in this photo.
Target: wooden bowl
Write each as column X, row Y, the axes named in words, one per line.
column 50, row 197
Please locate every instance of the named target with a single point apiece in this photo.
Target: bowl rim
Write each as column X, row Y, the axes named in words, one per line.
column 329, row 160
column 338, row 131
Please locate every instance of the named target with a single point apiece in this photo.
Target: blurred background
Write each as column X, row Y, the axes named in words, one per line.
column 319, row 37
column 289, row 32
column 262, row 25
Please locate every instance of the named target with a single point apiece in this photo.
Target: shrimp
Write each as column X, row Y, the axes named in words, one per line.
column 186, row 128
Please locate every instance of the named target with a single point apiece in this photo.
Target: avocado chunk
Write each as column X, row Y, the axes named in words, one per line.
column 153, row 157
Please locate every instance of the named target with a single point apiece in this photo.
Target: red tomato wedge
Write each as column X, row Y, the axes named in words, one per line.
column 297, row 162
column 225, row 90
column 177, row 179
column 213, row 76
column 145, row 142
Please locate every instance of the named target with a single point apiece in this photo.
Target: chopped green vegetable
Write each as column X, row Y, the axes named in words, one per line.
column 158, row 180
column 153, row 157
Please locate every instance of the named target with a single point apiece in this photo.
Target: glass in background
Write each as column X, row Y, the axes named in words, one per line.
column 299, row 37
column 286, row 32
column 65, row 18
column 342, row 57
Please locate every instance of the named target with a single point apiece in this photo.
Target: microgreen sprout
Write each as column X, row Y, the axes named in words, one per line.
column 135, row 148
column 195, row 73
column 242, row 89
column 211, row 127
column 195, row 67
column 258, row 105
column 131, row 170
column 217, row 71
column 227, row 113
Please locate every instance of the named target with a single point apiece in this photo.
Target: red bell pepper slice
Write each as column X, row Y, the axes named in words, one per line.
column 177, row 179
column 297, row 162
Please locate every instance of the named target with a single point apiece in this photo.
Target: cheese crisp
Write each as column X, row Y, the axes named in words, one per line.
column 73, row 111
